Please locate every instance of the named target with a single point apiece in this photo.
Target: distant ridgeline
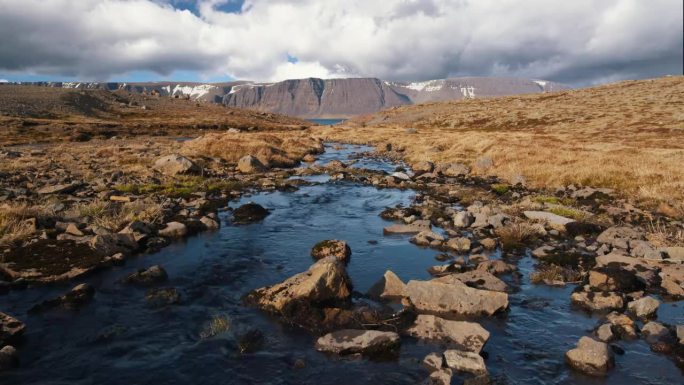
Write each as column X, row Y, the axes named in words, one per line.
column 329, row 98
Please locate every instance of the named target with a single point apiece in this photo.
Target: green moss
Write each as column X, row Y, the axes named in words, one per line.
column 127, row 188
column 553, row 200
column 500, row 188
column 568, row 212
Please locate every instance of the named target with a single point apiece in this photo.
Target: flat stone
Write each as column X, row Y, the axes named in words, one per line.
column 619, row 236
column 332, row 248
column 454, row 299
column 463, row 335
column 109, row 244
column 598, row 301
column 58, row 189
column 591, row 357
column 675, row 253
column 464, row 361
column 555, row 221
column 414, row 227
column 496, row 267
column 622, row 325
column 478, row 279
column 365, row 342
column 672, row 280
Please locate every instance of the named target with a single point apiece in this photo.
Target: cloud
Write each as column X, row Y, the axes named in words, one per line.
column 579, row 42
column 4, row 81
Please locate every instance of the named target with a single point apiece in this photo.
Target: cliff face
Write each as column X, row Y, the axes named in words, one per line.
column 316, row 97
column 331, row 98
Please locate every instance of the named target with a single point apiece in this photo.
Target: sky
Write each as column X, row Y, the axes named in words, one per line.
column 578, row 42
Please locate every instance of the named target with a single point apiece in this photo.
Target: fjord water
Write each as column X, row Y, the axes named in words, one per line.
column 327, row 122
column 118, row 339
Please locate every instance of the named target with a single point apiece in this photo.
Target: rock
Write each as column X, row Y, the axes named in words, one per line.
column 58, row 189
column 388, row 287
column 433, row 362
column 140, row 230
column 210, row 223
column 488, row 243
column 454, row 298
column 176, row 164
column 480, row 221
column 598, row 301
column 427, row 238
column 619, row 237
column 622, row 325
column 675, row 253
column 174, row 230
column 9, row 358
column 372, row 343
column 74, row 299
column 151, row 275
column 680, row 333
column 542, row 251
column 251, row 341
column 592, row 193
column 645, row 307
column 462, row 335
column 332, row 248
column 163, row 296
column 605, row 333
column 614, row 279
column 461, row 245
column 309, row 158
column 591, row 357
column 496, row 267
column 654, row 331
column 414, row 227
column 476, row 259
column 11, row 329
column 423, row 167
column 248, row 213
column 463, row 219
column 72, row 229
column 455, row 169
column 109, row 244
column 498, row 220
column 249, row 164
column 336, row 164
column 439, row 377
column 400, row 176
column 556, row 222
column 442, row 270
column 464, row 361
column 672, row 280
column 326, row 281
column 478, row 279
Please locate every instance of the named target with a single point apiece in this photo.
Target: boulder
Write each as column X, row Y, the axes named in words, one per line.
column 597, row 301
column 423, row 167
column 427, row 238
column 433, row 361
column 496, row 267
column 400, row 176
column 614, row 279
column 414, row 227
column 460, row 245
column 454, row 299
column 654, row 332
column 619, row 236
column 332, row 248
column 250, row 212
column 675, row 253
column 326, row 281
column 370, row 343
column 605, row 333
column 622, row 325
column 478, row 279
column 74, row 299
column 152, row 275
column 176, row 164
column 109, row 244
column 463, row 219
column 464, row 361
column 645, row 307
column 462, row 335
column 9, row 358
column 174, row 230
column 388, row 287
column 210, row 223
column 11, row 329
column 672, row 280
column 555, row 221
column 249, row 164
column 455, row 169
column 590, row 357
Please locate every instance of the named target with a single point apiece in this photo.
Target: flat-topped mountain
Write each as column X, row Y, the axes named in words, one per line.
column 329, row 98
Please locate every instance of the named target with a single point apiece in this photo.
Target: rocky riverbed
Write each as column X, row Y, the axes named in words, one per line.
column 424, row 274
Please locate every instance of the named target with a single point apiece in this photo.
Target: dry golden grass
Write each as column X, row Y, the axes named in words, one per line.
column 628, row 136
column 515, row 235
column 278, row 149
column 551, row 273
column 16, row 221
column 115, row 216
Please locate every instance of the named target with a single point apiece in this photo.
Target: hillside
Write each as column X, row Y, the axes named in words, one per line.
column 628, row 136
column 30, row 114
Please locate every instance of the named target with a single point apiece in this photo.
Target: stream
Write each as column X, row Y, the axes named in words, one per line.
column 119, row 339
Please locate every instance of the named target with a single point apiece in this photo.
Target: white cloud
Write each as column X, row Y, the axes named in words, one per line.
column 579, row 41
column 4, row 81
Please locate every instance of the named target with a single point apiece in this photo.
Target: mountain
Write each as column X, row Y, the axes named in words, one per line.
column 329, row 98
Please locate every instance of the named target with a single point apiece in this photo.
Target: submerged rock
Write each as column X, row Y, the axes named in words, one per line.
column 414, row 227
column 163, row 296
column 152, row 275
column 454, row 299
column 251, row 341
column 388, row 287
column 654, row 331
column 465, row 361
column 439, row 377
column 463, row 335
column 9, row 358
column 591, row 357
column 372, row 343
column 250, row 212
column 332, row 248
column 74, row 299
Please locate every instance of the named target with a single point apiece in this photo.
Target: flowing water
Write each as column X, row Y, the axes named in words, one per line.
column 119, row 339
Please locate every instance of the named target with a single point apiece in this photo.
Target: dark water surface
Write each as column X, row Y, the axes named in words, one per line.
column 326, row 122
column 118, row 339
